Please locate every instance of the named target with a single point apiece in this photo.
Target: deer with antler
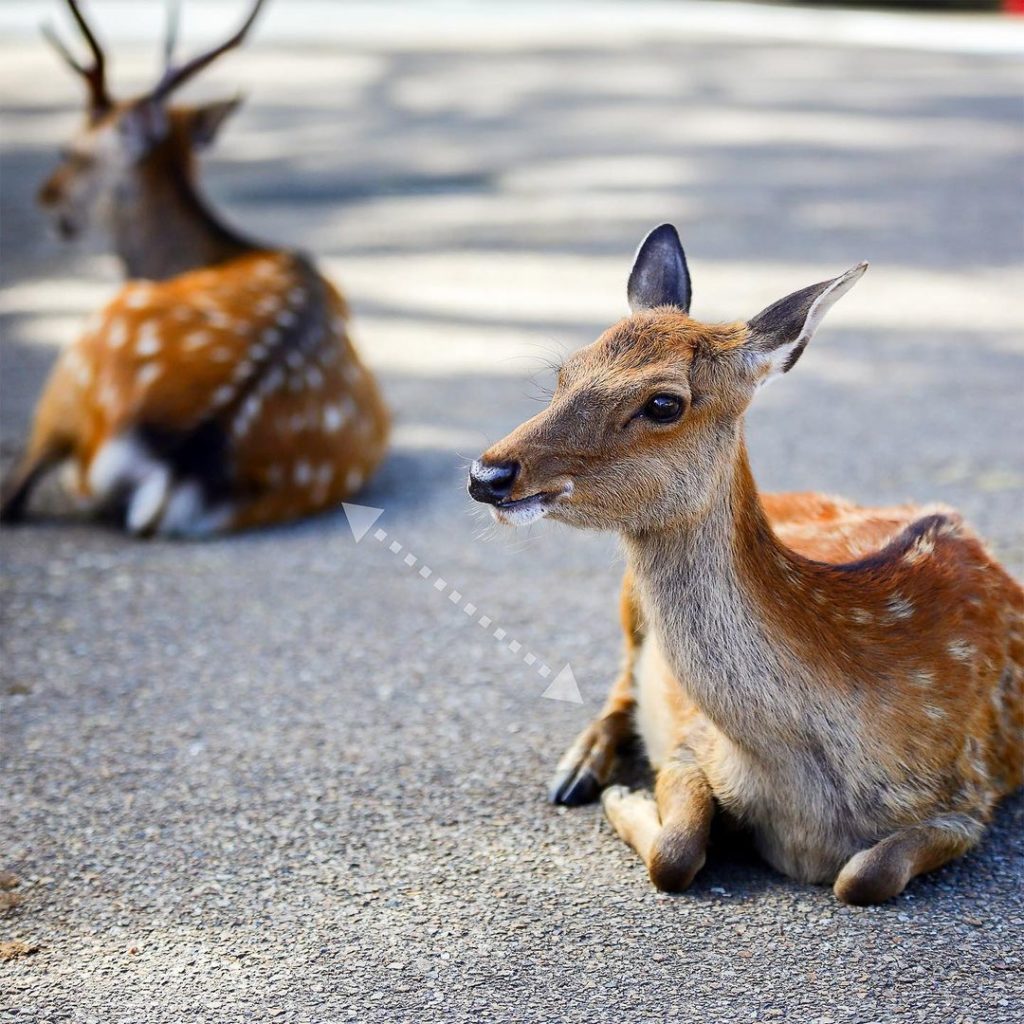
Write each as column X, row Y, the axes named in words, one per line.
column 219, row 389
column 845, row 683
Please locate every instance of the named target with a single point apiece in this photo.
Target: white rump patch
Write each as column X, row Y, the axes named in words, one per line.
column 148, row 499
column 187, row 515
column 120, row 463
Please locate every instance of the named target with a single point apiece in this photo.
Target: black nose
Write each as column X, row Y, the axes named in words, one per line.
column 492, row 481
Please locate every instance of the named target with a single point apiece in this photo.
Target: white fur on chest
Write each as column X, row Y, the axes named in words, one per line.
column 791, row 802
column 655, row 714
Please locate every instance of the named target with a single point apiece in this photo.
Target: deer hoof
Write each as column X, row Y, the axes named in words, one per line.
column 575, row 786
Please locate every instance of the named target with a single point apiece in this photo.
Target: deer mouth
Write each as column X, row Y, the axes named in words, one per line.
column 526, row 510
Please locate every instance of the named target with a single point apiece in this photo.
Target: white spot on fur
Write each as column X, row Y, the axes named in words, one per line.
column 218, row 319
column 934, row 712
column 961, row 650
column 294, row 360
column 273, row 380
column 314, row 378
column 147, row 375
column 196, row 340
column 138, row 296
column 920, row 549
column 117, row 333
column 269, row 336
column 222, row 354
column 899, row 607
column 862, row 617
column 108, row 397
column 296, row 296
column 222, row 396
column 353, row 373
column 147, row 341
column 303, row 473
column 285, row 318
column 332, row 419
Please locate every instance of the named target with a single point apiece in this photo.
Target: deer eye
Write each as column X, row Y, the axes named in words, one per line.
column 663, row 408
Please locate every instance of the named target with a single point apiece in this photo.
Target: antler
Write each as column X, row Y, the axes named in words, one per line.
column 171, row 35
column 175, row 77
column 95, row 76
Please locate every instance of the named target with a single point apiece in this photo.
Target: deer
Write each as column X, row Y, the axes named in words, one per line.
column 843, row 684
column 219, row 389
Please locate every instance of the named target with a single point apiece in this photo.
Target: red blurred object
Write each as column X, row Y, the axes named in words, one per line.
column 1013, row 6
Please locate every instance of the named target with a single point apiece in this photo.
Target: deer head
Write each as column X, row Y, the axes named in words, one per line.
column 120, row 140
column 645, row 423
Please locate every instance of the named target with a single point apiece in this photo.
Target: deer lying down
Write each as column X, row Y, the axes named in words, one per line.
column 846, row 683
column 219, row 389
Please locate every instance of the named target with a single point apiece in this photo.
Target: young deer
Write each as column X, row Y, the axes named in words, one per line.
column 846, row 683
column 219, row 390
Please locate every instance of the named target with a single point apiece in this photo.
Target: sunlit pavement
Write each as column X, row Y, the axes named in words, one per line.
column 280, row 777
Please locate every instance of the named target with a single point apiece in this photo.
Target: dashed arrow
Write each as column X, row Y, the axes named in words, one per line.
column 362, row 519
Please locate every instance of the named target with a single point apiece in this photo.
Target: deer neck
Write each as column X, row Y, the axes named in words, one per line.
column 721, row 593
column 163, row 226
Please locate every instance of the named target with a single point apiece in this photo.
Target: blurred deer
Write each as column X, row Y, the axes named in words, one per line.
column 844, row 682
column 219, row 389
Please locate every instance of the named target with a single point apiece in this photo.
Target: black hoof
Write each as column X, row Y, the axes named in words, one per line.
column 574, row 788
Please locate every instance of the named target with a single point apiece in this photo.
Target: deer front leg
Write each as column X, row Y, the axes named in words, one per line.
column 883, row 870
column 669, row 832
column 586, row 766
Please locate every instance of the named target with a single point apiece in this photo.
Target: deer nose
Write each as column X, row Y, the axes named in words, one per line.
column 492, row 481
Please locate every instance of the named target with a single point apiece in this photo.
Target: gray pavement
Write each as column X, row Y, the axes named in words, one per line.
column 278, row 776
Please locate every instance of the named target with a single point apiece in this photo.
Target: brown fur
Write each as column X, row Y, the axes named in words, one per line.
column 846, row 683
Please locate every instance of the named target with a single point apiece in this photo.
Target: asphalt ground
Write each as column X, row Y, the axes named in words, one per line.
column 279, row 777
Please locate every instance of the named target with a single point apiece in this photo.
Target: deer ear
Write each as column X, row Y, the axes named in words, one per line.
column 205, row 122
column 659, row 276
column 779, row 334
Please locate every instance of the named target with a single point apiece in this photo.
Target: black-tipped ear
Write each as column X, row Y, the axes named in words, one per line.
column 659, row 276
column 780, row 333
column 205, row 122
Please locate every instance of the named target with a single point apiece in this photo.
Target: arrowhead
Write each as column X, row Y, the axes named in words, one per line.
column 564, row 687
column 361, row 518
